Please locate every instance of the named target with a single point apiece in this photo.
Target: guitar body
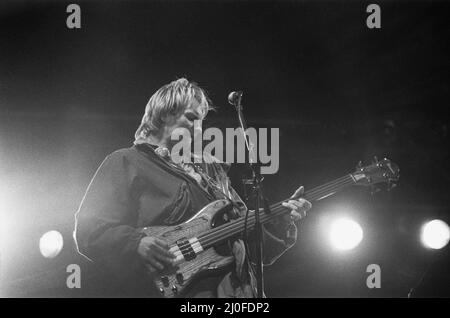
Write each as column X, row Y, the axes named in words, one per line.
column 175, row 281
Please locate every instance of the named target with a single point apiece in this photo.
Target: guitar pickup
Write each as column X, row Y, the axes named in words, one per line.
column 186, row 249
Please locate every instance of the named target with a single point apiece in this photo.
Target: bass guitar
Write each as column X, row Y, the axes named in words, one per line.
column 196, row 243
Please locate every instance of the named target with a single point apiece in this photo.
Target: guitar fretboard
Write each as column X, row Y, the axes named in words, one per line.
column 235, row 227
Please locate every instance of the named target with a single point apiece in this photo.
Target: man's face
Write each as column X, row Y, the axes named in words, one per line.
column 191, row 119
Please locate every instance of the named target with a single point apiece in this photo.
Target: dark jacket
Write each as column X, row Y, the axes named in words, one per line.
column 132, row 189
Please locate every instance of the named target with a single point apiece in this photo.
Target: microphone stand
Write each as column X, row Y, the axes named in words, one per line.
column 235, row 100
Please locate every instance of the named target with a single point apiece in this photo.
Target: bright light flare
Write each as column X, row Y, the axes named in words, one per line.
column 345, row 234
column 435, row 234
column 50, row 244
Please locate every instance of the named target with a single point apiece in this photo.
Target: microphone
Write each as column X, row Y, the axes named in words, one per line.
column 234, row 98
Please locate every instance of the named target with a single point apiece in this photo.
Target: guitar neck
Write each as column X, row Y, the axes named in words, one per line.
column 323, row 191
column 237, row 226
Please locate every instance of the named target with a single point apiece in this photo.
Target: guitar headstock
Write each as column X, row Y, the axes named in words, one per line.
column 383, row 171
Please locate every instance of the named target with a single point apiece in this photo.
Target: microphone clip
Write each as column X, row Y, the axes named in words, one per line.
column 234, row 98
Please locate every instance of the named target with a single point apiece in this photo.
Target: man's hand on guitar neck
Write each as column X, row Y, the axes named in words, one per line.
column 155, row 252
column 299, row 206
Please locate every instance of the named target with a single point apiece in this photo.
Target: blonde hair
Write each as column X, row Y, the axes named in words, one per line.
column 171, row 99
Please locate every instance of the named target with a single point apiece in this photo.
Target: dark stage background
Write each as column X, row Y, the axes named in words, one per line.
column 338, row 91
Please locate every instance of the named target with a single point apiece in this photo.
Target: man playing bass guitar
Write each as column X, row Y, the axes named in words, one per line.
column 141, row 186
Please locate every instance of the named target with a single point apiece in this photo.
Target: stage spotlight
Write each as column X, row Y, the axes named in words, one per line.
column 435, row 234
column 345, row 234
column 50, row 244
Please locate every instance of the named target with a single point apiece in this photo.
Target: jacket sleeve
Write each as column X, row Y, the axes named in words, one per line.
column 105, row 223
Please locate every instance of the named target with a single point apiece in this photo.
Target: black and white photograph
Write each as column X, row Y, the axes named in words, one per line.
column 224, row 149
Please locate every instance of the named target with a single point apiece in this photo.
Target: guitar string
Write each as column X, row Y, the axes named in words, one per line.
column 311, row 192
column 219, row 233
column 234, row 230
column 323, row 186
column 238, row 226
column 315, row 193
